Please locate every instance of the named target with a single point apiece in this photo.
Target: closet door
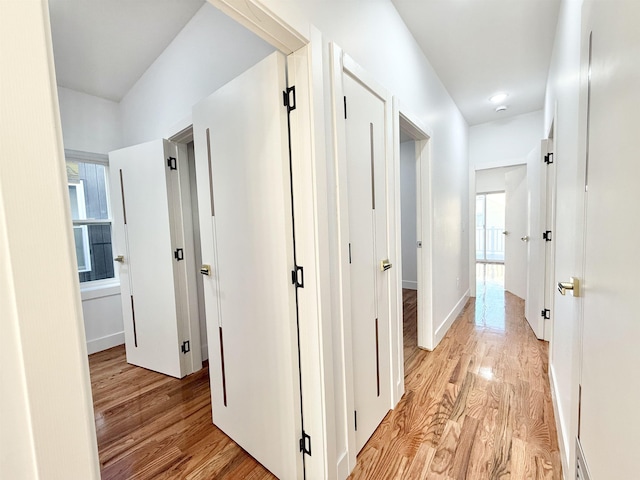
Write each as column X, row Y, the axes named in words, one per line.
column 144, row 247
column 366, row 181
column 241, row 145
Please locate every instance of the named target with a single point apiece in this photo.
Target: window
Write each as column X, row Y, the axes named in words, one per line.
column 89, row 200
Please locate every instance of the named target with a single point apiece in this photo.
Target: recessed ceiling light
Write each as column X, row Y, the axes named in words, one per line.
column 498, row 98
column 501, row 108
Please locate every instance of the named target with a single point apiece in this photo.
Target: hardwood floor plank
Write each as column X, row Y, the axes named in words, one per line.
column 476, row 408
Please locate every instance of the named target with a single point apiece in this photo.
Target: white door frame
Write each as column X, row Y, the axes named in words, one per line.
column 549, row 223
column 421, row 135
column 342, row 63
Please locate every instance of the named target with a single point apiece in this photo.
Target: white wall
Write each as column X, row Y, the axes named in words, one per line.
column 504, row 142
column 209, row 51
column 562, row 101
column 408, row 201
column 92, row 124
column 89, row 123
column 493, row 179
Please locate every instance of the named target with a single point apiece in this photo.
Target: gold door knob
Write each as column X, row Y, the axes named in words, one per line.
column 573, row 284
column 119, row 258
column 385, row 265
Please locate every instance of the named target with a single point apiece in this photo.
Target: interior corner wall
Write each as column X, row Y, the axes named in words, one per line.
column 89, row 123
column 504, row 142
column 92, row 124
column 209, row 51
column 408, row 185
column 563, row 102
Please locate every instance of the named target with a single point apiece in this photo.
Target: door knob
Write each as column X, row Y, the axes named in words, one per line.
column 573, row 284
column 505, row 233
column 385, row 265
column 119, row 258
column 525, row 238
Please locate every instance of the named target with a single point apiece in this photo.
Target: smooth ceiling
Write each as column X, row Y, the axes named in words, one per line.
column 103, row 47
column 479, row 47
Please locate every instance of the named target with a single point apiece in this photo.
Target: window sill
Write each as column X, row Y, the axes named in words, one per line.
column 100, row 289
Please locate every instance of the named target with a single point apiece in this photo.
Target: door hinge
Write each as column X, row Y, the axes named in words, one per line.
column 349, row 253
column 171, row 163
column 179, row 254
column 345, row 107
column 297, row 276
column 289, row 98
column 546, row 314
column 548, row 158
column 546, row 235
column 355, row 419
column 186, row 347
column 305, row 444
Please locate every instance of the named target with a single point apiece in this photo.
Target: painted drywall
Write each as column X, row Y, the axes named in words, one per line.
column 92, row 124
column 493, row 179
column 562, row 102
column 89, row 124
column 46, row 419
column 209, row 51
column 504, row 142
column 408, row 213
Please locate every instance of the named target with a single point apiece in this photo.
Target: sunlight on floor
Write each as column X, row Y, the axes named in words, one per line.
column 490, row 303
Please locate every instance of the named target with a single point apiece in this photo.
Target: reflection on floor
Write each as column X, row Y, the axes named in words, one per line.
column 476, row 408
column 490, row 296
column 151, row 426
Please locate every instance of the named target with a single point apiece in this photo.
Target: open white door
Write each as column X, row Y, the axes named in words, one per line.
column 244, row 198
column 515, row 255
column 366, row 167
column 149, row 245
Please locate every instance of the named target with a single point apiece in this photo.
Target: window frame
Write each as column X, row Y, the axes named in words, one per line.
column 99, row 159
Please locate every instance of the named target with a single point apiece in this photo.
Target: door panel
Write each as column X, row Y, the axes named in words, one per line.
column 515, row 255
column 246, row 236
column 368, row 238
column 609, row 419
column 143, row 235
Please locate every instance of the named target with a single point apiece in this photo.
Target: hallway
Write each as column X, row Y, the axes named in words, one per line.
column 478, row 407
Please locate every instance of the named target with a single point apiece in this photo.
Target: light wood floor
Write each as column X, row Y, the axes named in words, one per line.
column 477, row 408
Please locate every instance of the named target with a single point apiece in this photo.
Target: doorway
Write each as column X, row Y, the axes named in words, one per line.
column 490, row 227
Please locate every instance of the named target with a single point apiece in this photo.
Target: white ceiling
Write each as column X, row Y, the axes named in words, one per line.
column 103, row 47
column 480, row 47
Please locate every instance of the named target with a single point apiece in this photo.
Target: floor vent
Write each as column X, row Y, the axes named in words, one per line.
column 582, row 472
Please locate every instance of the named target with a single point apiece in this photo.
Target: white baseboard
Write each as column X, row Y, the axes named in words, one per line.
column 444, row 327
column 410, row 284
column 563, row 441
column 104, row 343
column 343, row 466
column 205, row 352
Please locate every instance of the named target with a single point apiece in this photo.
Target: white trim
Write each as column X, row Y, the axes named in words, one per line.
column 86, row 157
column 442, row 330
column 563, row 441
column 509, row 162
column 410, row 284
column 99, row 289
column 343, row 466
column 104, row 343
column 257, row 18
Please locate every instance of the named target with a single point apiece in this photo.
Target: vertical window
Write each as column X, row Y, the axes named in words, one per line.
column 90, row 212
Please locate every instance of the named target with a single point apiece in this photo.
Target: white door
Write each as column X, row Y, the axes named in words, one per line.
column 240, row 136
column 609, row 418
column 534, row 301
column 366, row 181
column 515, row 217
column 148, row 243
